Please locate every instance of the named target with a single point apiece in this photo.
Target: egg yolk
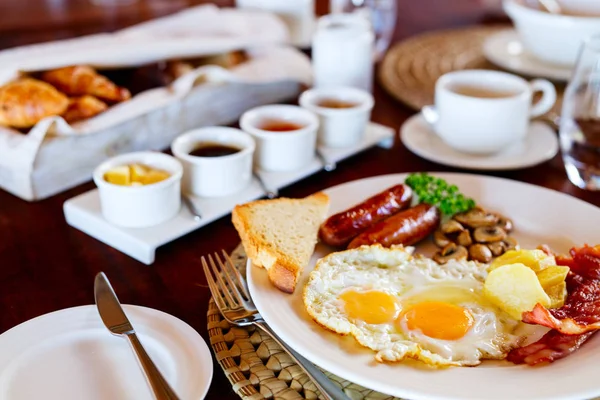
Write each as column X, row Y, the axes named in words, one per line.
column 439, row 320
column 372, row 307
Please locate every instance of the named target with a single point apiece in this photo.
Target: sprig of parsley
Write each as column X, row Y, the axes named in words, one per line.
column 436, row 191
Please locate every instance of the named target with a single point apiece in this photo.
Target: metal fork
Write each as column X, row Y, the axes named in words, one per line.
column 230, row 292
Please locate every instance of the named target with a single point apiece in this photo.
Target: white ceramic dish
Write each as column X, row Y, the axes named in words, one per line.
column 540, row 144
column 553, row 38
column 506, row 50
column 339, row 127
column 70, row 355
column 282, row 151
column 537, row 220
column 83, row 212
column 140, row 206
column 215, row 176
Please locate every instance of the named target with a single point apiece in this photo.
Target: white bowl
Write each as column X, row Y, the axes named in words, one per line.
column 282, row 151
column 339, row 127
column 580, row 6
column 140, row 206
column 552, row 38
column 215, row 176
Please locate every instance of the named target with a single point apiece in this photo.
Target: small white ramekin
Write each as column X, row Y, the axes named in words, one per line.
column 339, row 127
column 282, row 151
column 215, row 176
column 140, row 206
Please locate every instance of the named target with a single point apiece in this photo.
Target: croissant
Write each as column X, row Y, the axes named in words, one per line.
column 24, row 102
column 83, row 107
column 81, row 80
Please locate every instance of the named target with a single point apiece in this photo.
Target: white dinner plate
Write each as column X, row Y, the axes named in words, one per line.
column 506, row 50
column 70, row 355
column 540, row 145
column 540, row 216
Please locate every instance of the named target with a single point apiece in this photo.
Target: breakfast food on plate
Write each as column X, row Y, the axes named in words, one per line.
column 436, row 191
column 83, row 107
column 403, row 306
column 547, row 275
column 515, row 289
column 575, row 322
column 280, row 235
column 406, row 227
column 80, row 80
column 341, row 228
column 24, row 102
column 477, row 233
column 135, row 175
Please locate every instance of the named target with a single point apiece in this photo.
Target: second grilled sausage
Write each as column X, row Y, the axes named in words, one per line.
column 340, row 228
column 407, row 227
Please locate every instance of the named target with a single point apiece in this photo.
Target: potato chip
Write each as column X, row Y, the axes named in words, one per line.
column 552, row 276
column 537, row 260
column 557, row 294
column 515, row 289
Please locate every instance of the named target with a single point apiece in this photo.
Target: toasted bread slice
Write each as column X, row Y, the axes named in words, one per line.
column 280, row 235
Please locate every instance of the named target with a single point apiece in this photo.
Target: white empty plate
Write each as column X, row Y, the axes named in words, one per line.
column 541, row 144
column 70, row 355
column 540, row 216
column 506, row 50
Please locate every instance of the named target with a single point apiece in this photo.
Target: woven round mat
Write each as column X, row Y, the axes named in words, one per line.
column 258, row 368
column 410, row 69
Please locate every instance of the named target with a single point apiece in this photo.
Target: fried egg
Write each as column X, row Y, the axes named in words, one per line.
column 402, row 306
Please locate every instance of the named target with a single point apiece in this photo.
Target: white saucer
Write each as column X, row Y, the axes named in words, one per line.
column 70, row 355
column 540, row 145
column 506, row 50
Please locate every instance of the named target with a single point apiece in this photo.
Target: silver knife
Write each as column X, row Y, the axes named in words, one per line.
column 116, row 321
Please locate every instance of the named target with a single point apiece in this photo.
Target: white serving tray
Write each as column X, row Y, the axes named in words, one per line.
column 83, row 212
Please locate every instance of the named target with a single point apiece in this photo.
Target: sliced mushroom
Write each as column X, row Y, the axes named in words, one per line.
column 476, row 218
column 488, row 234
column 440, row 239
column 480, row 252
column 505, row 223
column 510, row 243
column 464, row 238
column 497, row 248
column 450, row 252
column 451, row 226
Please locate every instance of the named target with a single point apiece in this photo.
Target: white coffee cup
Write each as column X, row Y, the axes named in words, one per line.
column 215, row 176
column 344, row 126
column 286, row 150
column 483, row 112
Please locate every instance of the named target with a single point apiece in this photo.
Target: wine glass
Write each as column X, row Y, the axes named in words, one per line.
column 381, row 13
column 580, row 120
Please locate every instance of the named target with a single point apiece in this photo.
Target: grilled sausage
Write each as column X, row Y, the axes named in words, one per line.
column 406, row 228
column 340, row 228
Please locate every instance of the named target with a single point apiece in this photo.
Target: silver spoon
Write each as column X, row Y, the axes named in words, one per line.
column 189, row 204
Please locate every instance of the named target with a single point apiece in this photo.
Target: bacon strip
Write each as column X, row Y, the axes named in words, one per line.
column 551, row 347
column 576, row 321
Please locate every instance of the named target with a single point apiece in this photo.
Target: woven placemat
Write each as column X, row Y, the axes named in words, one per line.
column 410, row 69
column 258, row 368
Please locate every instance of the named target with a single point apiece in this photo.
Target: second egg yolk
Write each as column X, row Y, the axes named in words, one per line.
column 372, row 307
column 439, row 320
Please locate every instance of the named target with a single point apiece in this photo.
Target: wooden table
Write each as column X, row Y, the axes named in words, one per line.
column 45, row 265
